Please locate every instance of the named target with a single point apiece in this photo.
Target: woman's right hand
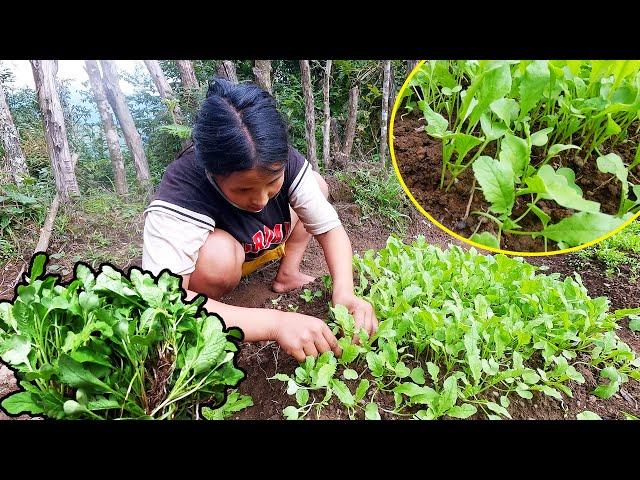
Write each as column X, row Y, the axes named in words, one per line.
column 302, row 335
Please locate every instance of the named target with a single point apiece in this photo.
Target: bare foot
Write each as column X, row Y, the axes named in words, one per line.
column 284, row 283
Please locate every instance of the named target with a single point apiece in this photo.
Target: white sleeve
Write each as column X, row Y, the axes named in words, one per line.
column 308, row 201
column 171, row 243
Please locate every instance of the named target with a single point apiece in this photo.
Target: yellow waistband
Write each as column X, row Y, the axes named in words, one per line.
column 273, row 254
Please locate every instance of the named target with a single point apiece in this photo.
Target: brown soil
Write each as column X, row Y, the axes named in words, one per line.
column 264, row 359
column 419, row 159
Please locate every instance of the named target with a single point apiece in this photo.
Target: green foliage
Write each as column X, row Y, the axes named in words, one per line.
column 531, row 112
column 461, row 334
column 113, row 346
column 623, row 248
column 379, row 194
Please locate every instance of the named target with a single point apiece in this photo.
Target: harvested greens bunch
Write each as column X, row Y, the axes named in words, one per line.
column 108, row 346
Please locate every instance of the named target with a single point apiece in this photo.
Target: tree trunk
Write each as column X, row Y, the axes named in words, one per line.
column 164, row 89
column 16, row 164
column 411, row 64
column 350, row 131
column 227, row 70
column 187, row 75
column 326, row 154
column 342, row 152
column 44, row 72
column 116, row 99
column 384, row 119
column 309, row 114
column 110, row 132
column 262, row 71
column 336, row 146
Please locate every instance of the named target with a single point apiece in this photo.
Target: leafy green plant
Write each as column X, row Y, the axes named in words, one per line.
column 460, row 334
column 308, row 296
column 235, row 403
column 532, row 112
column 110, row 346
column 379, row 195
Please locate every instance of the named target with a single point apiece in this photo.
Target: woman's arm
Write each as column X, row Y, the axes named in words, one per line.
column 299, row 335
column 339, row 256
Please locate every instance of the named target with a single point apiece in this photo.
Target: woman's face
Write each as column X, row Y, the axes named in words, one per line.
column 250, row 189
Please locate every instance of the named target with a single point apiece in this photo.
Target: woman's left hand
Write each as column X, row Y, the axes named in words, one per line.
column 362, row 312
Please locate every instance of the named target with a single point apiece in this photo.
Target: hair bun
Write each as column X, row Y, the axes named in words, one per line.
column 218, row 86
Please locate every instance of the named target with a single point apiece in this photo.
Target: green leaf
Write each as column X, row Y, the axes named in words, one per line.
column 290, row 413
column 325, row 374
column 463, row 411
column 371, row 412
column 496, row 83
column 417, row 375
column 350, row 374
column 559, row 147
column 612, row 127
column 17, row 350
column 349, row 353
column 531, row 377
column 22, row 402
column 541, row 138
column 302, row 396
column 497, row 182
column 491, row 130
column 499, row 409
column 515, row 152
column 74, row 374
column 582, row 227
column 532, row 85
column 612, row 163
column 588, row 415
column 437, row 125
column 485, row 238
column 210, row 351
column 411, row 293
column 449, row 394
column 557, row 187
column 634, row 323
column 376, row 366
column 434, row 371
column 37, row 267
column 342, row 392
column 506, row 109
column 361, row 391
column 281, row 376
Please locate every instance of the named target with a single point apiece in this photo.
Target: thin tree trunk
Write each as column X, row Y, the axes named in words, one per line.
column 411, row 64
column 262, row 71
column 350, row 131
column 116, row 99
column 16, row 164
column 47, row 227
column 336, row 146
column 227, row 69
column 309, row 114
column 110, row 132
column 326, row 132
column 164, row 89
column 44, row 72
column 187, row 75
column 384, row 119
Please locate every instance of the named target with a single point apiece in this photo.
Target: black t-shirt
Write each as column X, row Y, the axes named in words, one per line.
column 187, row 193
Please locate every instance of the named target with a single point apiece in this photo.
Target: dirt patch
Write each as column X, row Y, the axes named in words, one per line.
column 419, row 159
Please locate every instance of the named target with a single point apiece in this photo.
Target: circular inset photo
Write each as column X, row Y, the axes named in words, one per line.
column 531, row 157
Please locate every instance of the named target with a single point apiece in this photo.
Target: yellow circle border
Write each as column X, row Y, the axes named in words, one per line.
column 396, row 106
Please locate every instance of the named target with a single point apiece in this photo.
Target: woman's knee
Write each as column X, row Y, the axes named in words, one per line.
column 323, row 184
column 219, row 265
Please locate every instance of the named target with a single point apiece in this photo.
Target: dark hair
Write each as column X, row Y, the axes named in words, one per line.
column 238, row 128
